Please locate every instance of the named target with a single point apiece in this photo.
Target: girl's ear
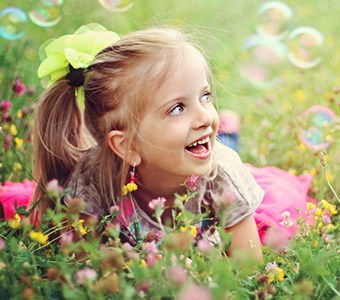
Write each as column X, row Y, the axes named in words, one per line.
column 117, row 142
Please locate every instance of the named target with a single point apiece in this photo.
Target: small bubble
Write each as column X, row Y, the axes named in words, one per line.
column 274, row 20
column 12, row 22
column 47, row 13
column 317, row 120
column 305, row 45
column 116, row 5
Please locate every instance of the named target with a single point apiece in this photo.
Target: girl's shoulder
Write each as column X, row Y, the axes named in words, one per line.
column 231, row 175
column 83, row 183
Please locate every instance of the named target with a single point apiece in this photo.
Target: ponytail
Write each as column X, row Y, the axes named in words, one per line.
column 59, row 138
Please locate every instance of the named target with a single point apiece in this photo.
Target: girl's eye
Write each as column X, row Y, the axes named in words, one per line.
column 177, row 110
column 205, row 98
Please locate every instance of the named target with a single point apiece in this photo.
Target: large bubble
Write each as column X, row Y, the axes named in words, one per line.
column 116, row 5
column 261, row 61
column 305, row 45
column 274, row 20
column 47, row 13
column 12, row 23
column 316, row 125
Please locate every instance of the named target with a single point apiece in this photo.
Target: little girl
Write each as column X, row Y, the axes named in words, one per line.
column 138, row 109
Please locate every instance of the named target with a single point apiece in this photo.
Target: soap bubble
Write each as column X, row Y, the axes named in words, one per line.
column 304, row 47
column 274, row 20
column 317, row 120
column 116, row 5
column 12, row 22
column 261, row 61
column 47, row 13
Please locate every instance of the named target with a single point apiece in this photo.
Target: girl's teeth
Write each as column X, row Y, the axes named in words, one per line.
column 199, row 142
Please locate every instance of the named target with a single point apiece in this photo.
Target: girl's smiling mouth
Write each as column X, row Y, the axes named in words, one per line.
column 200, row 149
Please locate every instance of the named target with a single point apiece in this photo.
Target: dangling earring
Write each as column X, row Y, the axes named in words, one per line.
column 131, row 185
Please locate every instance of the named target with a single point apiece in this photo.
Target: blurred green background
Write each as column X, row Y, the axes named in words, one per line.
column 271, row 108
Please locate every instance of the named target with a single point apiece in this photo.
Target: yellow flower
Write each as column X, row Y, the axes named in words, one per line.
column 184, row 197
column 310, row 205
column 193, row 231
column 39, row 237
column 330, row 207
column 13, row 129
column 183, row 229
column 19, row 114
column 280, row 274
column 300, row 94
column 131, row 186
column 315, row 243
column 143, row 263
column 78, row 226
column 15, row 222
column 17, row 166
column 303, row 147
column 124, row 190
column 128, row 188
column 18, row 142
column 314, row 172
column 318, row 212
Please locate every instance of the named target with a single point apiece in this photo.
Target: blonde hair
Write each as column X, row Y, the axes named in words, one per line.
column 118, row 85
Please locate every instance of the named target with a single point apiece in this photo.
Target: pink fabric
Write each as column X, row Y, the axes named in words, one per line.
column 283, row 192
column 15, row 192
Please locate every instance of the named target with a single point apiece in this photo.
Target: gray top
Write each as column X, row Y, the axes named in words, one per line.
column 231, row 174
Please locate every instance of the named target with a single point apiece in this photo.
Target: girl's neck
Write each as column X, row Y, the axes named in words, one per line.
column 146, row 193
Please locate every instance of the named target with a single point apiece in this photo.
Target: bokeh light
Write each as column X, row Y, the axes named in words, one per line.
column 12, row 23
column 317, row 122
column 305, row 44
column 116, row 5
column 261, row 61
column 274, row 20
column 47, row 13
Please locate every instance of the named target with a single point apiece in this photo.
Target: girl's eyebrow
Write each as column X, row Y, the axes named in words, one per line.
column 178, row 98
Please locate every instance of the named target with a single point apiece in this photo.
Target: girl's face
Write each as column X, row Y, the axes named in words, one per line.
column 177, row 133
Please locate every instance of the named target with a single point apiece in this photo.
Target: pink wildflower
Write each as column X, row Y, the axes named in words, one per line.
column 5, row 106
column 114, row 209
column 276, row 239
column 53, row 188
column 157, row 203
column 204, row 246
column 8, row 142
column 150, row 247
column 177, row 274
column 2, row 244
column 326, row 219
column 86, row 275
column 31, row 90
column 65, row 240
column 18, row 87
column 191, row 183
column 151, row 259
column 194, row 292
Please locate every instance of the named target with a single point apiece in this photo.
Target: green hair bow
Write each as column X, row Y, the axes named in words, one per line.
column 78, row 50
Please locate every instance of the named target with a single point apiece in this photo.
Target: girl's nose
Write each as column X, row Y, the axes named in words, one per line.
column 202, row 116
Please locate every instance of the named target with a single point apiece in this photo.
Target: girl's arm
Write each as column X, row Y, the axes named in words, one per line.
column 245, row 238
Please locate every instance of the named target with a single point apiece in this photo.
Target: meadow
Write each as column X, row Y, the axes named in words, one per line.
column 279, row 72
